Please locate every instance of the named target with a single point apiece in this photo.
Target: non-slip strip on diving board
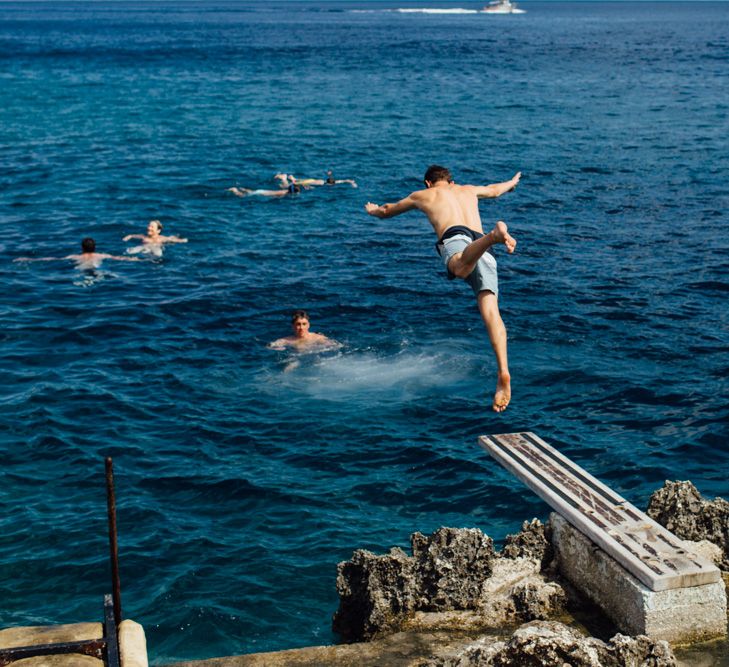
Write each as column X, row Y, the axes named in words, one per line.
column 643, row 547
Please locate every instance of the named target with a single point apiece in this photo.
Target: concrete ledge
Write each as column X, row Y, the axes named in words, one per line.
column 678, row 615
column 132, row 645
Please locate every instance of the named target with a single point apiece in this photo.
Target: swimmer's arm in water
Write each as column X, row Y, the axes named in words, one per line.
column 172, row 239
column 118, row 258
column 351, row 181
column 280, row 344
column 497, row 189
column 41, row 259
column 129, row 237
column 391, row 210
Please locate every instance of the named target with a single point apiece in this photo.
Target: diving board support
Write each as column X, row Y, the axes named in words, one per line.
column 645, row 578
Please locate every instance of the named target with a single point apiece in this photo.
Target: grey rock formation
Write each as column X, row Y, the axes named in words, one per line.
column 375, row 593
column 680, row 507
column 537, row 600
column 447, row 571
column 543, row 643
column 530, row 542
column 452, row 566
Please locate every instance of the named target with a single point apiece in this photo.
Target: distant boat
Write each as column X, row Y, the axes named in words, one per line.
column 503, row 7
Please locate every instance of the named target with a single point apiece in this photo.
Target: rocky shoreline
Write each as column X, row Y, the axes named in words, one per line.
column 455, row 601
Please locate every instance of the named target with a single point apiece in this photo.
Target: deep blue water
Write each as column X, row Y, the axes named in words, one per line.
column 240, row 486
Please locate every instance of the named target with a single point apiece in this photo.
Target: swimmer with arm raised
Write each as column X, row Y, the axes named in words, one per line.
column 153, row 240
column 88, row 259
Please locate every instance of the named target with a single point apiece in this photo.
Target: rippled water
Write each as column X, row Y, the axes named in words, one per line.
column 240, row 485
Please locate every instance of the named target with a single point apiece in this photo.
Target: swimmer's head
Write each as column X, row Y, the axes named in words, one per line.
column 436, row 173
column 154, row 227
column 300, row 323
column 88, row 245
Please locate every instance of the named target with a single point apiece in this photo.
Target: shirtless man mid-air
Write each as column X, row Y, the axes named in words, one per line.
column 466, row 251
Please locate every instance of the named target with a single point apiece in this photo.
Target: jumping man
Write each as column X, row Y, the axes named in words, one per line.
column 453, row 211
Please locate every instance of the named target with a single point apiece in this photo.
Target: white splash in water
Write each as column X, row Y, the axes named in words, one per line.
column 360, row 374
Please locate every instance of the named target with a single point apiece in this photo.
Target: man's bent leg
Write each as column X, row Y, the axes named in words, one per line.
column 462, row 265
column 488, row 306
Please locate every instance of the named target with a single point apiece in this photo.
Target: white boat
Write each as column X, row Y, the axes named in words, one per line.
column 503, row 7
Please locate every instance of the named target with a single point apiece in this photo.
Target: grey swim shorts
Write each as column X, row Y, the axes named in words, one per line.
column 484, row 276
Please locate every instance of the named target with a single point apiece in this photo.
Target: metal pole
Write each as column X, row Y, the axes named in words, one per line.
column 113, row 546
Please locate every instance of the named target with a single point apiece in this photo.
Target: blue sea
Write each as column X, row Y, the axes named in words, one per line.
column 241, row 485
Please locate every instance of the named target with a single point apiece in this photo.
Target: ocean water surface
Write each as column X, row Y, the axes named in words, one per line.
column 239, row 485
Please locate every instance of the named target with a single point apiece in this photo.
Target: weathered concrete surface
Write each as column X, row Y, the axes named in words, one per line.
column 681, row 509
column 404, row 649
column 70, row 660
column 679, row 615
column 132, row 645
column 549, row 643
column 53, row 634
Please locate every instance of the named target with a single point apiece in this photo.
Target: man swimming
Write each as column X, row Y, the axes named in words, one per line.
column 303, row 339
column 292, row 188
column 153, row 240
column 88, row 259
column 466, row 252
column 307, row 183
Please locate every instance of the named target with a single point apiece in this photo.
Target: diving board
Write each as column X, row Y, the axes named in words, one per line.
column 648, row 551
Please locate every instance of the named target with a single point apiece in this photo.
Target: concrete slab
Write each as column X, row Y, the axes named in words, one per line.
column 678, row 615
column 643, row 547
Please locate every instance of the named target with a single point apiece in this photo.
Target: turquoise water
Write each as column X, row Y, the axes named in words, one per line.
column 241, row 486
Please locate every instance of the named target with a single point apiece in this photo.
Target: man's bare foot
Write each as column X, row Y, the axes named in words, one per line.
column 501, row 234
column 503, row 393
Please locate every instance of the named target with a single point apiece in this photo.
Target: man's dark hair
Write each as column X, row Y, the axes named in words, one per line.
column 298, row 315
column 88, row 244
column 437, row 173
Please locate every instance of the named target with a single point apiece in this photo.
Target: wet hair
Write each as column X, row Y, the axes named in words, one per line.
column 299, row 315
column 88, row 245
column 158, row 223
column 437, row 173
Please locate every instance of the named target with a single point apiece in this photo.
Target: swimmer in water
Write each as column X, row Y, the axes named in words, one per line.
column 292, row 187
column 465, row 250
column 303, row 339
column 153, row 241
column 283, row 179
column 88, row 259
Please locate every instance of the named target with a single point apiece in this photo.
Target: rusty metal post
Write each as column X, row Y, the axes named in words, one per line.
column 113, row 546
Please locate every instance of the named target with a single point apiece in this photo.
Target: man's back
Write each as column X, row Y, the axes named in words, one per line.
column 448, row 205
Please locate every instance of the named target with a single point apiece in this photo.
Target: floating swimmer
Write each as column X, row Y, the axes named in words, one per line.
column 306, row 183
column 88, row 259
column 304, row 340
column 287, row 188
column 466, row 252
column 153, row 241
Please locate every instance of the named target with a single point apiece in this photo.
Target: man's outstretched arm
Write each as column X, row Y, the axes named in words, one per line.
column 497, row 189
column 390, row 210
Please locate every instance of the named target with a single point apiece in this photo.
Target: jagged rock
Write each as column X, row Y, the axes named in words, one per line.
column 452, row 566
column 640, row 651
column 448, row 570
column 681, row 509
column 537, row 600
column 530, row 542
column 375, row 593
column 552, row 644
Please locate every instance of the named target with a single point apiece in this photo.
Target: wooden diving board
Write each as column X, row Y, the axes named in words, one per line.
column 643, row 547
